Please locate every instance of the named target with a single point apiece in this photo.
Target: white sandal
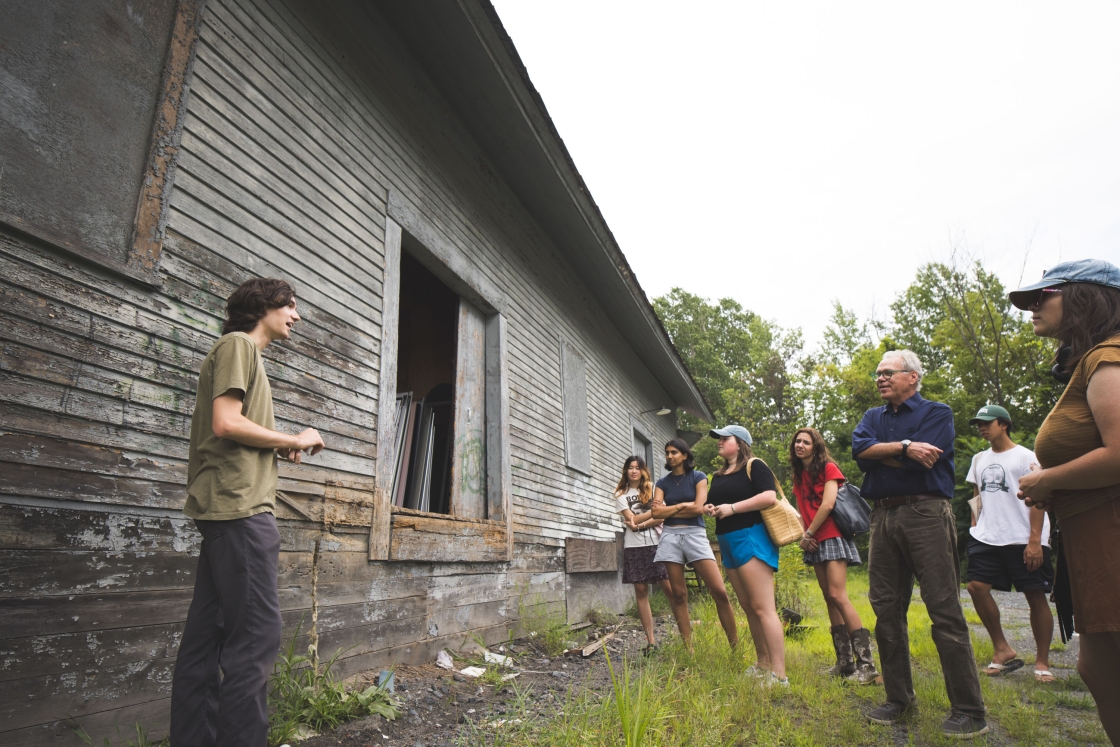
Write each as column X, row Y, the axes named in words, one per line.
column 1040, row 673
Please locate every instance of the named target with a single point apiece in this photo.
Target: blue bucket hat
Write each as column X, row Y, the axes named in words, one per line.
column 737, row 431
column 1095, row 271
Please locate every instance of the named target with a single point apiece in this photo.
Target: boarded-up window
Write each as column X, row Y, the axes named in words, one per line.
column 577, row 439
column 80, row 81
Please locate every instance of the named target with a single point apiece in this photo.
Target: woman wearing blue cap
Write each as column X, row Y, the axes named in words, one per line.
column 739, row 492
column 1078, row 448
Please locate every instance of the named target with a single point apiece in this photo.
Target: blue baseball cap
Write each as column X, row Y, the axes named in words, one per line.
column 1095, row 271
column 737, row 431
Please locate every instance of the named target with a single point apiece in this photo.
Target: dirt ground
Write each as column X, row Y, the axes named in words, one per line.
column 437, row 705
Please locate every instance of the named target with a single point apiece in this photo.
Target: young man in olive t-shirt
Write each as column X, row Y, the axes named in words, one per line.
column 219, row 695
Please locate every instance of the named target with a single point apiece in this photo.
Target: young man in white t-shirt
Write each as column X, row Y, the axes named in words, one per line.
column 1009, row 543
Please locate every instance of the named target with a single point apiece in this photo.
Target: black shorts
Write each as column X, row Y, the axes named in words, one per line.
column 1003, row 566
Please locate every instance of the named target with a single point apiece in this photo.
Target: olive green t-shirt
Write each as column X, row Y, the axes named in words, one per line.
column 225, row 479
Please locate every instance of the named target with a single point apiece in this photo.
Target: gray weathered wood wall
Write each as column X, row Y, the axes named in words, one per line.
column 303, row 117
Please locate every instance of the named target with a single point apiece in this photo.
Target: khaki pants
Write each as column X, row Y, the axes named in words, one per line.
column 920, row 540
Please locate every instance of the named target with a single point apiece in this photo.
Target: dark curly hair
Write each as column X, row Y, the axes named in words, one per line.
column 252, row 300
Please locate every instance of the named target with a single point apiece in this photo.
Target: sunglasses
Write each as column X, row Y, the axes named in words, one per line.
column 1044, row 294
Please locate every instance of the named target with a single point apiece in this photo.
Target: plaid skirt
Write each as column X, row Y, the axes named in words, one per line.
column 834, row 548
column 638, row 566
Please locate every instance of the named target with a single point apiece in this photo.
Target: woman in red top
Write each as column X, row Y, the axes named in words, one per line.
column 816, row 480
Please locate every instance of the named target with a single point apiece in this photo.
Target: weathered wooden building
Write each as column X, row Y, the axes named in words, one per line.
column 473, row 344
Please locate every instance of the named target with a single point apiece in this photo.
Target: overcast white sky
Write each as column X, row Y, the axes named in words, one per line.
column 789, row 153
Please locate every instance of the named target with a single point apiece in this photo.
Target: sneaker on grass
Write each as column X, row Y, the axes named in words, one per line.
column 889, row 713
column 962, row 726
column 769, row 679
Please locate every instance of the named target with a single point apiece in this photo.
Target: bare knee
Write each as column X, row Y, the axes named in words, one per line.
column 641, row 591
column 835, row 597
column 678, row 596
column 978, row 587
column 1085, row 671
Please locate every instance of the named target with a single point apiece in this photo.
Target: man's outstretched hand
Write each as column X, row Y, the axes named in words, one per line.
column 307, row 440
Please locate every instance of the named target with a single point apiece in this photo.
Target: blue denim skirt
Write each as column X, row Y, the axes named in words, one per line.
column 738, row 547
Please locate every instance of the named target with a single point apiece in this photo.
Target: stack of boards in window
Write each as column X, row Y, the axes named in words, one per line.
column 439, row 349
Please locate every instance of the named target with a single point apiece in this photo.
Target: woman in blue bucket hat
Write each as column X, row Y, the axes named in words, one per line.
column 1078, row 447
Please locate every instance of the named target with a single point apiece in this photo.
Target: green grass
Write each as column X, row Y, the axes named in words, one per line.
column 546, row 627
column 692, row 700
column 303, row 696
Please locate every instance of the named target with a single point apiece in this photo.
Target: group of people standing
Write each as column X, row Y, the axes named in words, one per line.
column 905, row 448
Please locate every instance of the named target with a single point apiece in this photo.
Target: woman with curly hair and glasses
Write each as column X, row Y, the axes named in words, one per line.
column 634, row 499
column 1078, row 448
column 816, row 482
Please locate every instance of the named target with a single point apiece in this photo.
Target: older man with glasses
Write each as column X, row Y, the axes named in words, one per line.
column 905, row 449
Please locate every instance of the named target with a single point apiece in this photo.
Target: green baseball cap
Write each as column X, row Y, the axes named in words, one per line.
column 988, row 413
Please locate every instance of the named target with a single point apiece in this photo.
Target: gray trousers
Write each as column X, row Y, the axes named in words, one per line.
column 920, row 540
column 219, row 692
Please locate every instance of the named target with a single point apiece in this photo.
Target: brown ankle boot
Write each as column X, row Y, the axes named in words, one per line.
column 845, row 664
column 865, row 673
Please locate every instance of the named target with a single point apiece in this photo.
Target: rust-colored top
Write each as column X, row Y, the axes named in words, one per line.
column 1069, row 432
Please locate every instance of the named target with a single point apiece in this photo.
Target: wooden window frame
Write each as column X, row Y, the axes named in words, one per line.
column 402, row 534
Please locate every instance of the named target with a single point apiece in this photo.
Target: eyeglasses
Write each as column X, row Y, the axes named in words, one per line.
column 888, row 373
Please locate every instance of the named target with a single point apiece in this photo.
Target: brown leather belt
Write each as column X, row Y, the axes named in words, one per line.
column 906, row 500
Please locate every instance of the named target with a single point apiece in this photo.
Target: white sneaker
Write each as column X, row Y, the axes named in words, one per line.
column 755, row 671
column 773, row 680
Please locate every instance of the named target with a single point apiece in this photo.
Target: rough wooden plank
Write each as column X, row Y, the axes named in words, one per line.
column 468, row 458
column 48, row 655
column 381, row 525
column 593, row 647
column 38, row 700
column 154, row 715
column 446, row 539
column 586, row 556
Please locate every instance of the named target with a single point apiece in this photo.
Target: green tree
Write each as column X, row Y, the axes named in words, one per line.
column 744, row 365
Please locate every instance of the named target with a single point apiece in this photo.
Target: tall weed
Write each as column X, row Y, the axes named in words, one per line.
column 304, row 696
column 548, row 629
column 640, row 706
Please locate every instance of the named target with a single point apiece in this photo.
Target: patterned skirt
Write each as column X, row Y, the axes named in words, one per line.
column 638, row 566
column 834, row 548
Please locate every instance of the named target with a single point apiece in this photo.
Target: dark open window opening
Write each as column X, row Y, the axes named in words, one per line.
column 427, row 338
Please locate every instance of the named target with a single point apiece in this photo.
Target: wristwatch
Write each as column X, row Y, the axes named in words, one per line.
column 905, row 445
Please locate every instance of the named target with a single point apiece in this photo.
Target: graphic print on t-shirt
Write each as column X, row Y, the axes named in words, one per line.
column 993, row 478
column 1004, row 519
column 631, row 501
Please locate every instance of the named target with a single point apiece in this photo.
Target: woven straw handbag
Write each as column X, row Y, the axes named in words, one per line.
column 782, row 520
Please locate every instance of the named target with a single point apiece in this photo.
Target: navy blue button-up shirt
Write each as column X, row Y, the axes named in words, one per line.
column 916, row 419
